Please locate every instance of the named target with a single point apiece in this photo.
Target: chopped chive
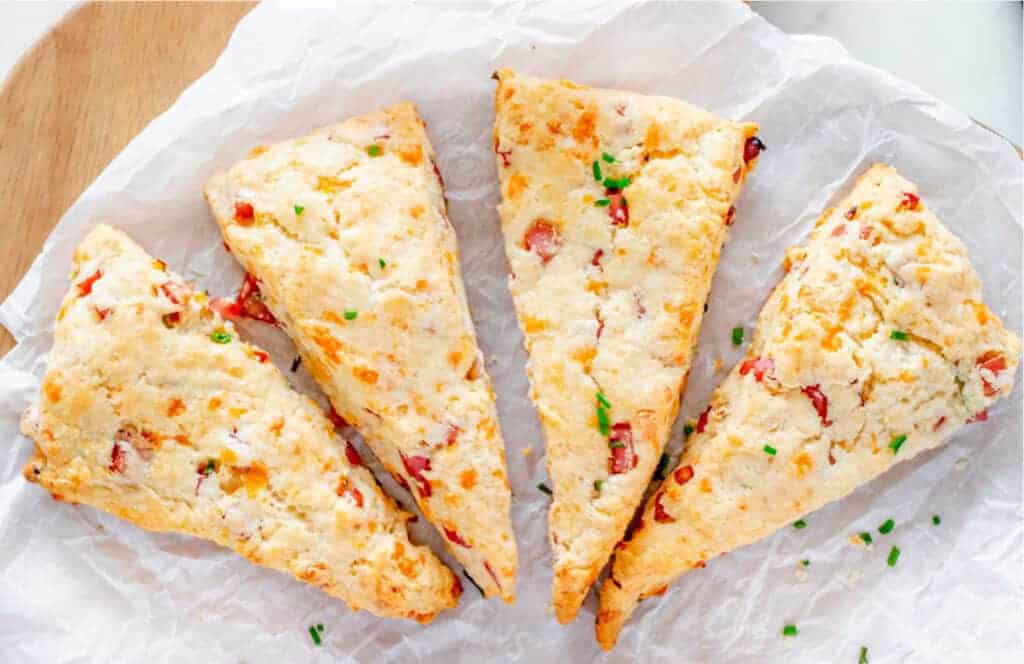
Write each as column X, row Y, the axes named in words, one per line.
column 620, row 183
column 544, row 487
column 374, row 150
column 887, row 527
column 382, row 263
column 899, row 335
column 319, row 627
column 473, row 581
column 737, row 336
column 299, row 209
column 598, row 484
column 800, row 524
column 602, row 421
column 894, row 556
column 602, row 202
column 896, row 443
column 936, row 520
column 350, row 314
column 313, row 633
column 597, row 170
column 211, row 466
column 805, row 562
column 603, row 400
column 687, row 430
column 768, row 449
column 220, row 337
column 789, row 630
column 866, row 536
column 608, row 158
column 659, row 472
column 616, row 444
column 863, row 659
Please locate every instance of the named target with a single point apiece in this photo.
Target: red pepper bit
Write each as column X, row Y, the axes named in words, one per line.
column 337, row 420
column 352, row 454
column 991, row 361
column 683, row 475
column 736, row 174
column 490, row 571
column 85, row 286
column 437, row 172
column 660, row 515
column 415, row 465
column 839, row 230
column 118, row 458
column 938, row 423
column 760, row 366
column 980, row 416
column 102, row 314
column 910, row 201
column 596, row 260
column 851, row 214
column 542, row 239
column 244, row 214
column 702, row 421
column 618, row 208
column 623, row 457
column 453, row 434
column 171, row 291
column 730, row 215
column 356, row 494
column 400, row 481
column 820, row 403
column 453, row 536
column 752, row 148
column 621, row 109
column 251, row 301
column 865, row 232
column 456, row 587
column 261, row 355
column 171, row 319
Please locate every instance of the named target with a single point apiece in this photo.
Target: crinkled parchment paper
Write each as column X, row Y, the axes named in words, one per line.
column 79, row 585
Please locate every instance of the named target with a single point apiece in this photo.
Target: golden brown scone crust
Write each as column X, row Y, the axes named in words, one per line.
column 875, row 347
column 357, row 260
column 610, row 295
column 154, row 410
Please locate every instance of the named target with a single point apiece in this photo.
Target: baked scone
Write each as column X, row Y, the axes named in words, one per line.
column 875, row 347
column 347, row 232
column 154, row 410
column 614, row 210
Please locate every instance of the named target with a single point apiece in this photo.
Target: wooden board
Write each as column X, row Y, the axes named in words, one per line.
column 79, row 95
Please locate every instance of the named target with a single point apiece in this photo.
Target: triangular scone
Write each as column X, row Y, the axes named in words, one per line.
column 347, row 232
column 614, row 209
column 154, row 410
column 874, row 347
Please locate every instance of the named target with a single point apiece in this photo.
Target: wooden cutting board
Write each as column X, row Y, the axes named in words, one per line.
column 79, row 95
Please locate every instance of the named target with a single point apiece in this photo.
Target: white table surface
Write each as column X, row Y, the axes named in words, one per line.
column 969, row 55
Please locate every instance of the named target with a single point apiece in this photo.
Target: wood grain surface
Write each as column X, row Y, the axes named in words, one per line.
column 79, row 95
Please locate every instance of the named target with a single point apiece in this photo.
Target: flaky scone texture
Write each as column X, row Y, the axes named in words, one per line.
column 614, row 210
column 347, row 232
column 154, row 410
column 875, row 347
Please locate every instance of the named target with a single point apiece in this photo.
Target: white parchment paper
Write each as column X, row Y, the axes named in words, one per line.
column 77, row 585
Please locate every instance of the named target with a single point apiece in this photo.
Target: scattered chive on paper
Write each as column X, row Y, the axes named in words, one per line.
column 768, row 449
column 598, row 484
column 319, row 627
column 597, row 170
column 936, row 520
column 350, row 314
column 299, row 209
column 800, row 525
column 866, row 536
column 887, row 527
column 374, row 150
column 544, row 487
column 602, row 202
column 313, row 633
column 899, row 335
column 805, row 562
column 896, row 443
column 659, row 472
column 737, row 336
column 382, row 263
column 789, row 630
column 863, row 659
column 608, row 158
column 894, row 556
column 220, row 337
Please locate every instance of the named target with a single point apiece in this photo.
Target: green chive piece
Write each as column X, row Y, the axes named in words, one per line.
column 660, row 471
column 863, row 655
column 374, row 150
column 866, row 537
column 313, row 633
column 603, row 400
column 544, row 487
column 899, row 335
column 299, row 209
column 805, row 562
column 800, row 525
column 382, row 263
column 768, row 449
column 936, row 520
column 789, row 630
column 737, row 336
column 319, row 627
column 598, row 484
column 211, row 466
column 896, row 443
column 597, row 170
column 608, row 158
column 220, row 337
column 887, row 527
column 350, row 314
column 602, row 421
column 687, row 430
column 613, row 183
column 894, row 556
column 616, row 444
column 602, row 202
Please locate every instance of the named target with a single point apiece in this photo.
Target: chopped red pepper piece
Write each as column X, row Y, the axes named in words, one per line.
column 248, row 303
column 356, row 494
column 939, row 423
column 910, row 201
column 851, row 214
column 542, row 238
column 456, row 587
column 244, row 214
column 736, row 174
column 752, row 148
column 415, row 465
column 102, row 313
column 596, row 260
column 759, row 365
column 85, row 286
column 455, row 537
column 621, row 442
column 337, row 420
column 490, row 571
column 820, row 403
column 660, row 515
column 702, row 421
column 118, row 458
column 437, row 172
column 838, row 230
column 683, row 475
column 174, row 292
column 730, row 215
column 352, row 454
column 980, row 416
column 618, row 207
column 453, row 434
column 261, row 355
column 991, row 361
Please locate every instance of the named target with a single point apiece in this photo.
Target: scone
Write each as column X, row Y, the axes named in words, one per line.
column 614, row 210
column 875, row 347
column 346, row 232
column 154, row 410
